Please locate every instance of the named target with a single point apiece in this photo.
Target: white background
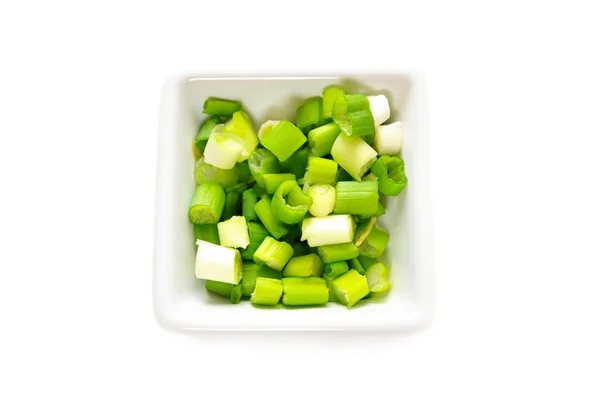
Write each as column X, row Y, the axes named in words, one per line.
column 514, row 104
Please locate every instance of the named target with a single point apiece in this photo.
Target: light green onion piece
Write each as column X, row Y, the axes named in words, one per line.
column 366, row 261
column 323, row 197
column 262, row 162
column 380, row 212
column 223, row 149
column 390, row 173
column 283, row 140
column 221, row 107
column 241, row 126
column 249, row 199
column 234, row 232
column 217, row 262
column 296, row 163
column 389, row 139
column 204, row 132
column 266, row 216
column 207, row 204
column 267, row 291
column 370, row 177
column 350, row 288
column 273, row 253
column 321, row 139
column 355, row 264
column 330, row 95
column 370, row 239
column 354, row 155
column 377, row 277
column 334, row 229
column 304, row 266
column 290, row 204
column 272, row 181
column 328, row 282
column 207, row 232
column 308, row 115
column 266, row 128
column 358, row 198
column 304, row 291
column 217, row 287
column 251, row 271
column 321, row 171
column 257, row 234
column 336, row 268
column 204, row 172
column 338, row 252
column 353, row 114
column 380, row 108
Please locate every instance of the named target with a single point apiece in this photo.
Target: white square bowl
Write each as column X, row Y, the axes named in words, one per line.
column 182, row 302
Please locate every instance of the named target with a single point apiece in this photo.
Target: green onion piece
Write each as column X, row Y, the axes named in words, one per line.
column 207, row 232
column 260, row 191
column 334, row 229
column 370, row 239
column 241, row 126
column 236, row 293
column 336, row 268
column 267, row 291
column 221, row 107
column 304, row 291
column 328, row 282
column 251, row 271
column 355, row 264
column 272, row 181
column 321, row 171
column 390, row 174
column 266, row 216
column 323, row 197
column 389, row 139
column 377, row 277
column 283, row 140
column 233, row 201
column 249, row 199
column 353, row 115
column 257, row 234
column 204, row 132
column 338, row 252
column 223, row 149
column 204, row 172
column 289, row 204
column 380, row 108
column 330, row 95
column 234, row 232
column 223, row 289
column 321, row 139
column 300, row 249
column 266, row 128
column 207, row 204
column 304, row 266
column 273, row 253
column 354, row 155
column 243, row 171
column 359, row 198
column 366, row 261
column 217, row 262
column 308, row 115
column 363, row 229
column 296, row 164
column 380, row 212
column 262, row 162
column 370, row 177
column 350, row 288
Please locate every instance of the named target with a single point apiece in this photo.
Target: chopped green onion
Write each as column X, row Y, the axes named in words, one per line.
column 380, row 108
column 355, row 264
column 257, row 234
column 328, row 282
column 296, row 164
column 266, row 216
column 234, row 232
column 330, row 95
column 370, row 177
column 334, row 229
column 289, row 204
column 323, row 197
column 304, row 291
column 389, row 139
column 272, row 181
column 370, row 239
column 207, row 204
column 321, row 171
column 204, row 132
column 260, row 191
column 308, row 115
column 251, row 271
column 267, row 291
column 353, row 115
column 366, row 261
column 266, row 128
column 390, row 174
column 236, row 293
column 336, row 268
column 233, row 201
column 262, row 162
column 273, row 253
column 380, row 212
column 354, row 155
column 300, row 248
column 207, row 232
column 338, row 252
column 304, row 266
column 359, row 198
column 204, row 172
column 321, row 139
column 377, row 277
column 243, row 171
column 223, row 149
column 283, row 140
column 363, row 230
column 350, row 288
column 241, row 126
column 223, row 289
column 221, row 107
column 249, row 199
column 217, row 262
